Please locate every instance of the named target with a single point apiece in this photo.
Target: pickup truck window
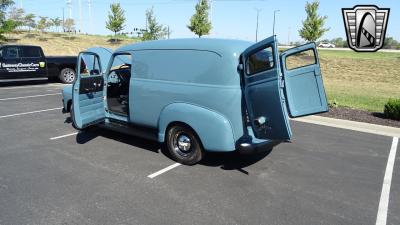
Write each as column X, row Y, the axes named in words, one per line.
column 10, row 52
column 30, row 52
column 300, row 59
column 89, row 65
column 260, row 61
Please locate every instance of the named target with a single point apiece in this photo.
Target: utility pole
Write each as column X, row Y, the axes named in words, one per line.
column 288, row 37
column 63, row 22
column 258, row 13
column 90, row 16
column 80, row 16
column 69, row 6
column 168, row 32
column 273, row 28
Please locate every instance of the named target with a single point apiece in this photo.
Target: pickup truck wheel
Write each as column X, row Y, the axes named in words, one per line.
column 184, row 145
column 67, row 76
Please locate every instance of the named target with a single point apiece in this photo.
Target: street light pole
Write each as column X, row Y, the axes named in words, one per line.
column 273, row 28
column 258, row 13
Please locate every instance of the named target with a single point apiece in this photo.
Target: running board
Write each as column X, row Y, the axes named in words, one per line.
column 130, row 129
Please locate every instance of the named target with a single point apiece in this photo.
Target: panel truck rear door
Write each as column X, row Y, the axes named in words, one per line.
column 304, row 89
column 263, row 91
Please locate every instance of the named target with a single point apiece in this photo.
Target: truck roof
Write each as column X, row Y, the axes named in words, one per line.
column 219, row 46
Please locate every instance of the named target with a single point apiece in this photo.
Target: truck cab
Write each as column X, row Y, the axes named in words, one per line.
column 28, row 62
column 200, row 95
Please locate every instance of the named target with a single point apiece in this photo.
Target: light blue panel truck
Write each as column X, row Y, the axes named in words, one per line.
column 198, row 95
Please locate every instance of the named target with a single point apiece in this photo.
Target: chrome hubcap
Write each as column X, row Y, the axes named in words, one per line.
column 182, row 144
column 69, row 76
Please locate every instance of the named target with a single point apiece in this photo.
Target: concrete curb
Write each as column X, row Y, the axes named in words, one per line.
column 351, row 125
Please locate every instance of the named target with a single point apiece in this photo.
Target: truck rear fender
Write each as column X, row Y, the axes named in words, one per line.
column 214, row 129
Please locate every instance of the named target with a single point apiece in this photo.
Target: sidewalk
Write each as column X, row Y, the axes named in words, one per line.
column 351, row 125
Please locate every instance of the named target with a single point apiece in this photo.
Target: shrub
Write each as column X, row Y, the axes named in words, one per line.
column 333, row 104
column 392, row 109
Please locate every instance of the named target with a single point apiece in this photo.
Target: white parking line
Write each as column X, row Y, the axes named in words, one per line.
column 31, row 96
column 387, row 180
column 26, row 113
column 63, row 136
column 151, row 176
column 32, row 86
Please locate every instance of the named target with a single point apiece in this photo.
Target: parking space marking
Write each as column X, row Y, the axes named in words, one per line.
column 151, row 176
column 387, row 180
column 63, row 136
column 32, row 86
column 31, row 96
column 32, row 112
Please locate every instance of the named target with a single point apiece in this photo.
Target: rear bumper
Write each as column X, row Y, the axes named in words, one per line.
column 250, row 146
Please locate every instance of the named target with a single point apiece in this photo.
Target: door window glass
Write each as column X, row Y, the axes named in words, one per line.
column 260, row 61
column 89, row 65
column 31, row 52
column 301, row 59
column 11, row 53
column 120, row 69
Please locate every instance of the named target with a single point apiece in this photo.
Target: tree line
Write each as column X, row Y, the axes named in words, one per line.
column 199, row 22
column 13, row 18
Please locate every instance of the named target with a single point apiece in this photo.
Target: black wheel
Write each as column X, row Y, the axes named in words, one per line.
column 184, row 145
column 67, row 76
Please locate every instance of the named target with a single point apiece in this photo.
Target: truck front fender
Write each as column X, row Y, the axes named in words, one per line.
column 213, row 129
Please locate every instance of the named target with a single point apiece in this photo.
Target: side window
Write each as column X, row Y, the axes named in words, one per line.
column 260, row 61
column 89, row 65
column 120, row 68
column 30, row 52
column 301, row 59
column 11, row 52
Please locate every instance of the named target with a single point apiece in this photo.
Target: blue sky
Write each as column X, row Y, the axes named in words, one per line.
column 231, row 18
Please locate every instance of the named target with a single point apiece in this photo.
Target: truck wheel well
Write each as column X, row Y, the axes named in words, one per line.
column 178, row 123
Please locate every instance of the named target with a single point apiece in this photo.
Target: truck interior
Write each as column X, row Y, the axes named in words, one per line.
column 118, row 85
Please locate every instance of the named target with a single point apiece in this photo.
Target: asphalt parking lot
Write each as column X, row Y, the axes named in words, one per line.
column 49, row 174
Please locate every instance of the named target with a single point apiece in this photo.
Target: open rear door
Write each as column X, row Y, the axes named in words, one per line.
column 87, row 95
column 304, row 89
column 263, row 90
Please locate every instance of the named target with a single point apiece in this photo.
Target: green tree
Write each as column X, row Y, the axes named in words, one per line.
column 390, row 43
column 69, row 25
column 43, row 23
column 199, row 23
column 6, row 25
column 116, row 19
column 17, row 15
column 313, row 26
column 154, row 31
column 56, row 22
column 29, row 21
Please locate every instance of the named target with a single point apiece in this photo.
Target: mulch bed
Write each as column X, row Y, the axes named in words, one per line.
column 360, row 116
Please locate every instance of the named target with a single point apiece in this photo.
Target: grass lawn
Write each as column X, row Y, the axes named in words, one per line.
column 361, row 80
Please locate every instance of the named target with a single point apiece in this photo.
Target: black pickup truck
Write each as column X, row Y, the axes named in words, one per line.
column 26, row 62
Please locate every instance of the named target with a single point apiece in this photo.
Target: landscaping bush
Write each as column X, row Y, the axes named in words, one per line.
column 392, row 109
